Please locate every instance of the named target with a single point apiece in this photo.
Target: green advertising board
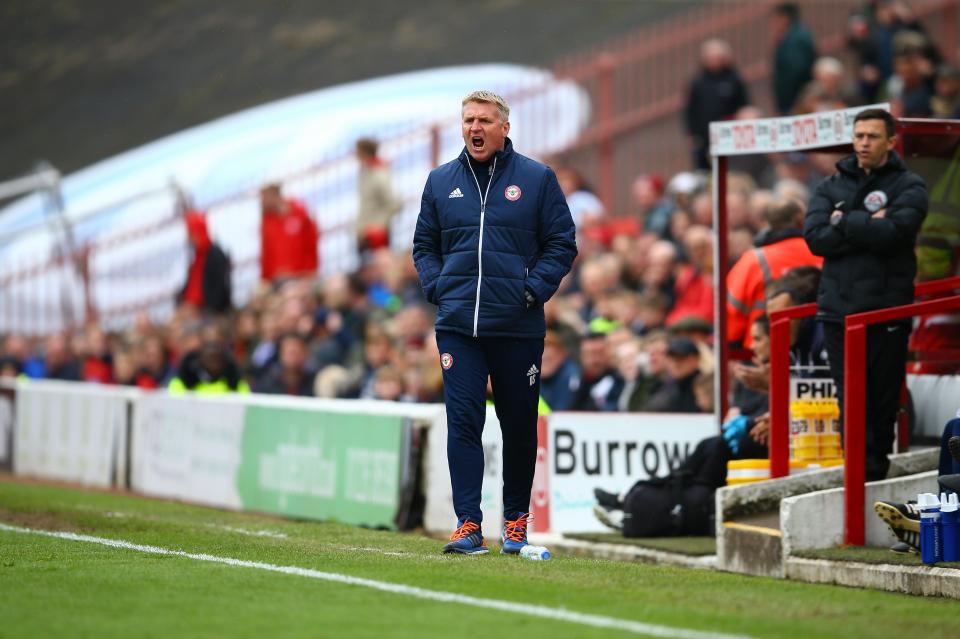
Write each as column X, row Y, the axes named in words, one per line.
column 322, row 465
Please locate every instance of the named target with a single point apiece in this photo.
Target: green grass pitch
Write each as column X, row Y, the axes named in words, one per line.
column 52, row 587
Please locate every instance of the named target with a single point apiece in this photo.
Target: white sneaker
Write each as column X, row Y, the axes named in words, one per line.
column 609, row 517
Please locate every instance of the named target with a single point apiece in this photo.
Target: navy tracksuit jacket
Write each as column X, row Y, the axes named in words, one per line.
column 481, row 241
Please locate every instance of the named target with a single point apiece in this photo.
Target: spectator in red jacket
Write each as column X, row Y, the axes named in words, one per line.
column 288, row 237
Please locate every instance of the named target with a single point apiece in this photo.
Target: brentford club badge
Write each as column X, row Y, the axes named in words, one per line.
column 446, row 360
column 512, row 193
column 875, row 201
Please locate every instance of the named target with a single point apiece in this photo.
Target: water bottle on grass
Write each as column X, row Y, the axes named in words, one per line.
column 535, row 553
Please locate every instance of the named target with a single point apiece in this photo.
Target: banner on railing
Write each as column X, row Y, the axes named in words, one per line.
column 577, row 452
column 71, row 432
column 794, row 133
column 292, row 461
column 612, row 452
column 8, row 403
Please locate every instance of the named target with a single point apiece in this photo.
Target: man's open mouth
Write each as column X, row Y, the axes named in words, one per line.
column 477, row 143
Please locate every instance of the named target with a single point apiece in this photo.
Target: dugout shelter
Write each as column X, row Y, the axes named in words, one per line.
column 930, row 148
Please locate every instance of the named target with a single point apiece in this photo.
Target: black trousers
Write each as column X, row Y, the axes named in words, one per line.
column 885, row 370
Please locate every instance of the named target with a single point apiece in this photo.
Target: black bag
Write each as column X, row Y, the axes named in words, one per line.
column 671, row 506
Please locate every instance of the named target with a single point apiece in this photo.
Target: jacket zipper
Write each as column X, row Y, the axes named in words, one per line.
column 483, row 209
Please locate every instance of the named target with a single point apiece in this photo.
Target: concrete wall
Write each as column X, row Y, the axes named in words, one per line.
column 815, row 520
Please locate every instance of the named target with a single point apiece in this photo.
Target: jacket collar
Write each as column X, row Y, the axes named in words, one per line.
column 849, row 165
column 503, row 156
column 766, row 238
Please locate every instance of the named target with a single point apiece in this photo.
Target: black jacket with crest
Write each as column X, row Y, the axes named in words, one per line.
column 869, row 262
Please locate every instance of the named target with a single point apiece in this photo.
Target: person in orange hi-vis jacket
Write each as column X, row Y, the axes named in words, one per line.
column 780, row 249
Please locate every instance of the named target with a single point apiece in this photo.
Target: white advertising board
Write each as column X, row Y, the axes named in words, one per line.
column 188, row 448
column 793, row 133
column 612, row 451
column 70, row 432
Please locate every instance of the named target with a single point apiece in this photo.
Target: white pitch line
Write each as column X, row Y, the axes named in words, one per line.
column 531, row 610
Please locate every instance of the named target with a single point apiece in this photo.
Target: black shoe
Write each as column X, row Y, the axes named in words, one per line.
column 607, row 499
column 950, row 483
column 902, row 548
column 953, row 445
column 903, row 519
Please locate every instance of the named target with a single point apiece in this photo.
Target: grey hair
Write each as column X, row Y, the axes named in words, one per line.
column 491, row 98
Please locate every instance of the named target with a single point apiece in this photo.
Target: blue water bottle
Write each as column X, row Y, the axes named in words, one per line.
column 948, row 527
column 931, row 542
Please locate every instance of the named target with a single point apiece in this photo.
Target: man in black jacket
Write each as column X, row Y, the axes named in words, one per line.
column 717, row 93
column 864, row 221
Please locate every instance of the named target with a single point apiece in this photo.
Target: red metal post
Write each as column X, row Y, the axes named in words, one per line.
column 721, row 254
column 779, row 397
column 854, row 389
column 606, row 185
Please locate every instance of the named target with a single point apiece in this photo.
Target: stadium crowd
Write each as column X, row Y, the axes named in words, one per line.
column 630, row 328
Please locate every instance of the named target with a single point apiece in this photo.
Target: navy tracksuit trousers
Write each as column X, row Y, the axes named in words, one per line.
column 513, row 365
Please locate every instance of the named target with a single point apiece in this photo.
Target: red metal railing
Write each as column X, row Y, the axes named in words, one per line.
column 854, row 399
column 854, row 410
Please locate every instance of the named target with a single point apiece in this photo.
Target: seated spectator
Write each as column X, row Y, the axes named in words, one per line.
column 210, row 370
column 646, row 376
column 96, row 356
column 559, row 374
column 694, row 282
column 289, row 376
column 59, row 360
column 653, row 209
column 683, row 367
column 154, row 365
column 585, row 207
column 600, row 385
column 945, row 103
column 9, row 367
column 388, row 384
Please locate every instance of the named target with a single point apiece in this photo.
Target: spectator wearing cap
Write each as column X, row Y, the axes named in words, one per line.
column 560, row 375
column 716, row 93
column 793, row 58
column 694, row 328
column 600, row 384
column 683, row 367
